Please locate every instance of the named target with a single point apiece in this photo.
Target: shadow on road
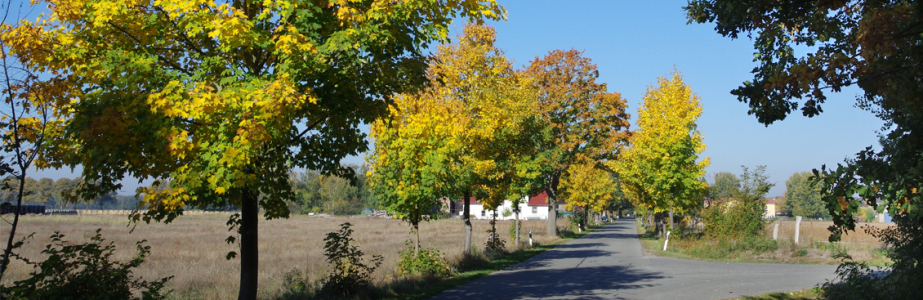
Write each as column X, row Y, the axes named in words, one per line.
column 571, row 270
column 585, row 283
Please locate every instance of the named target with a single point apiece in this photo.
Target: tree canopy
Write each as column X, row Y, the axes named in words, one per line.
column 662, row 169
column 585, row 121
column 873, row 44
column 224, row 97
column 724, row 186
column 467, row 130
column 802, row 196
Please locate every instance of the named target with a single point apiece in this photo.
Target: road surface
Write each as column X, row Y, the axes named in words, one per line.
column 609, row 263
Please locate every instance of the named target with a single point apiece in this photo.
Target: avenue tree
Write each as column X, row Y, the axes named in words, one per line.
column 467, row 134
column 585, row 121
column 662, row 168
column 588, row 187
column 224, row 97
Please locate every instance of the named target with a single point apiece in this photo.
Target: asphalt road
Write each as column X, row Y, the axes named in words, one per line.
column 609, row 263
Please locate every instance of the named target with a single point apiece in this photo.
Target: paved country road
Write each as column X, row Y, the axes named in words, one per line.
column 609, row 263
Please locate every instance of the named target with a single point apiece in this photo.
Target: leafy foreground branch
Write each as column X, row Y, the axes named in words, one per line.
column 424, row 277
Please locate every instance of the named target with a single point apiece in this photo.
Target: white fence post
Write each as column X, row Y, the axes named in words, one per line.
column 797, row 228
column 775, row 232
column 666, row 242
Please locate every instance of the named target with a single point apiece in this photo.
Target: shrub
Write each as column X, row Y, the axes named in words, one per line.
column 86, row 271
column 429, row 262
column 350, row 274
column 733, row 219
column 901, row 281
column 494, row 243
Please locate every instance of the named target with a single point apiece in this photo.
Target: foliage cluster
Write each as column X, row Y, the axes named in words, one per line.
column 724, row 186
column 350, row 274
column 586, row 123
column 86, row 271
column 315, row 192
column 428, row 262
column 662, row 171
column 802, row 197
column 741, row 215
column 873, row 44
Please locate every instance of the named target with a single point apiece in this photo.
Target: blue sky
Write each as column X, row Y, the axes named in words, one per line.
column 634, row 42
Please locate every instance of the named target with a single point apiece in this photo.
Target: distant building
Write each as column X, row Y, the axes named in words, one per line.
column 530, row 208
column 770, row 210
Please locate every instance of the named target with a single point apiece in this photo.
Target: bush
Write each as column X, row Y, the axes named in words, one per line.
column 86, row 271
column 429, row 262
column 901, row 281
column 350, row 275
column 733, row 219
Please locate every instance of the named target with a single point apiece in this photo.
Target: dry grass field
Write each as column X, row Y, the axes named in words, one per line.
column 192, row 248
column 816, row 231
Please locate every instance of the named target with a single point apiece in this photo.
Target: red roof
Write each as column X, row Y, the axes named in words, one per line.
column 540, row 199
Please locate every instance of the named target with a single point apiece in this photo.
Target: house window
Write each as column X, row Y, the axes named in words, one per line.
column 483, row 213
column 534, row 210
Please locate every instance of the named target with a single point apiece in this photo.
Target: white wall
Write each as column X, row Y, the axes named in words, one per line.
column 525, row 211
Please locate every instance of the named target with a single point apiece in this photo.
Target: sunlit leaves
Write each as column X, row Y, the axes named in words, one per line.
column 661, row 170
column 224, row 97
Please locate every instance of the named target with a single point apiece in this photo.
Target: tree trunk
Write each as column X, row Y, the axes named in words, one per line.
column 416, row 244
column 552, row 191
column 9, row 242
column 249, row 245
column 466, row 216
column 516, row 223
column 671, row 220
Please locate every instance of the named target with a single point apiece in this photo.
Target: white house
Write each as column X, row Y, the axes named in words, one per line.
column 530, row 208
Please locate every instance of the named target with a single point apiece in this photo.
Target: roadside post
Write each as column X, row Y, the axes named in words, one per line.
column 797, row 228
column 530, row 238
column 775, row 232
column 666, row 242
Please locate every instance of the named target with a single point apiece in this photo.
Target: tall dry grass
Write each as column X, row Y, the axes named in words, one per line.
column 816, row 231
column 192, row 248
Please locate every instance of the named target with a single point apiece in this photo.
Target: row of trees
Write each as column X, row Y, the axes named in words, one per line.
column 53, row 194
column 486, row 130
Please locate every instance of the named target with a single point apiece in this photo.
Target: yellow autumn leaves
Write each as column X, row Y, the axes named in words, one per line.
column 449, row 137
column 661, row 170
